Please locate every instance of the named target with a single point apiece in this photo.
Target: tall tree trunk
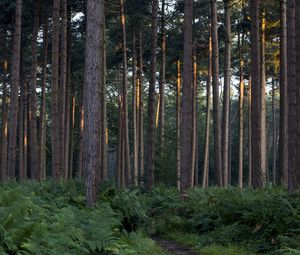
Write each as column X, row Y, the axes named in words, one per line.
column 15, row 79
column 207, row 121
column 241, row 110
column 35, row 173
column 71, row 172
column 264, row 153
column 62, row 89
column 125, row 100
column 151, row 99
column 104, row 132
column 55, row 139
column 3, row 174
column 42, row 138
column 22, row 173
column 274, row 135
column 25, row 129
column 250, row 133
column 283, row 136
column 226, row 94
column 162, row 78
column 186, row 134
column 68, row 96
column 194, row 117
column 92, row 85
column 140, row 111
column 178, row 122
column 216, row 94
column 256, row 118
column 291, row 66
column 134, row 113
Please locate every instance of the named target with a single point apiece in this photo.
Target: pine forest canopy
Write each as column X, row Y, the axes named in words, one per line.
column 185, row 93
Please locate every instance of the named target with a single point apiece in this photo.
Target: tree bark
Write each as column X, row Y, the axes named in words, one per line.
column 162, row 78
column 55, row 139
column 92, row 85
column 283, row 136
column 186, row 134
column 226, row 94
column 35, row 173
column 124, row 93
column 22, row 173
column 15, row 79
column 42, row 138
column 216, row 94
column 241, row 110
column 178, row 122
column 250, row 133
column 151, row 99
column 274, row 135
column 207, row 121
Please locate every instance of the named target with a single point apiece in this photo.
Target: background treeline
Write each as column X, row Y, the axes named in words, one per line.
column 180, row 92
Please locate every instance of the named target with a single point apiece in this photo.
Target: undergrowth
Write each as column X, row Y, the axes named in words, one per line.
column 51, row 218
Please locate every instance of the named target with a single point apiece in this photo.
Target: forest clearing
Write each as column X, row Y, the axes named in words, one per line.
column 149, row 127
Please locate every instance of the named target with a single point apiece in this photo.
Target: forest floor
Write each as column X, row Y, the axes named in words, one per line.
column 172, row 247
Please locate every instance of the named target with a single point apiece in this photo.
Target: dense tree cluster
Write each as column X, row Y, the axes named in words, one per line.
column 120, row 91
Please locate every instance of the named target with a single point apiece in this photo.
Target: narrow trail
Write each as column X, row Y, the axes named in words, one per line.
column 173, row 247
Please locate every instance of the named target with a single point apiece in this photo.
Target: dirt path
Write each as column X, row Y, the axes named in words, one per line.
column 173, row 247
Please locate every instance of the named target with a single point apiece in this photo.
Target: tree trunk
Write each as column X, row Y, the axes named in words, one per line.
column 178, row 122
column 151, row 99
column 22, row 173
column 92, row 85
column 162, row 78
column 283, row 136
column 291, row 66
column 186, row 134
column 124, row 93
column 250, row 134
column 264, row 152
column 216, row 93
column 3, row 174
column 274, row 134
column 134, row 113
column 35, row 173
column 55, row 139
column 226, row 94
column 15, row 79
column 194, row 117
column 42, row 138
column 207, row 125
column 241, row 110
column 140, row 111
column 256, row 118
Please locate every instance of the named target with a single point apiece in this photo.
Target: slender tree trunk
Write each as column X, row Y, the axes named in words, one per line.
column 15, row 79
column 22, row 173
column 25, row 129
column 42, row 138
column 256, row 118
column 68, row 97
column 186, row 133
column 62, row 89
column 92, row 85
column 216, row 93
column 55, row 139
column 151, row 99
column 291, row 66
column 125, row 100
column 140, row 111
column 3, row 175
column 250, row 134
column 134, row 114
column 264, row 153
column 207, row 121
column 35, row 173
column 194, row 120
column 178, row 122
column 241, row 111
column 283, row 136
column 226, row 97
column 274, row 147
column 81, row 173
column 162, row 78
column 104, row 132
column 72, row 134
